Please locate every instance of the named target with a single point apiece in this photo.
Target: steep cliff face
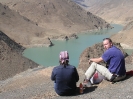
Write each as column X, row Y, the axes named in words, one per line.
column 11, row 59
column 116, row 11
column 40, row 19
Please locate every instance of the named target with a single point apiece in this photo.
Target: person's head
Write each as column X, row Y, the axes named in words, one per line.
column 64, row 58
column 107, row 43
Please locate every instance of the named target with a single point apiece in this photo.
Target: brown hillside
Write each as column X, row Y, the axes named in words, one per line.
column 125, row 36
column 11, row 59
column 36, row 20
column 19, row 28
column 116, row 11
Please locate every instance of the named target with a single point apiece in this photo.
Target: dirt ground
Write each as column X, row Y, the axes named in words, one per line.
column 36, row 84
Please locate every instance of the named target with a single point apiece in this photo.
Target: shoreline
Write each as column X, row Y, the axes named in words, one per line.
column 62, row 39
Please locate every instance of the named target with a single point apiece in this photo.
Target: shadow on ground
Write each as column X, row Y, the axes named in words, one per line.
column 89, row 89
column 129, row 74
column 86, row 90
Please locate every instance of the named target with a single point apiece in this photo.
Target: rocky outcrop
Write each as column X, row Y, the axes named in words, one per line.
column 94, row 52
column 51, row 43
column 11, row 59
column 12, row 44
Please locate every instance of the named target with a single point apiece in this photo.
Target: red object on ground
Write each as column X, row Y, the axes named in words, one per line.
column 80, row 88
column 130, row 72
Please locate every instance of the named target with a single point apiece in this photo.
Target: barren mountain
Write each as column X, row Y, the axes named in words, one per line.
column 36, row 20
column 11, row 59
column 125, row 36
column 19, row 28
column 116, row 11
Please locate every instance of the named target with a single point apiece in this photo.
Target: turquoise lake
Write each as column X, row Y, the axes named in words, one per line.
column 49, row 56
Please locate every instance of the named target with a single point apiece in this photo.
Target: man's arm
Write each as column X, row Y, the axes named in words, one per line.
column 97, row 60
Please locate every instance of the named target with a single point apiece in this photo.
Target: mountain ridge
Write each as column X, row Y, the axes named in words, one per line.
column 113, row 11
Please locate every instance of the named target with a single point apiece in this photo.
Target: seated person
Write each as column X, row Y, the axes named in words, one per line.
column 65, row 76
column 114, row 58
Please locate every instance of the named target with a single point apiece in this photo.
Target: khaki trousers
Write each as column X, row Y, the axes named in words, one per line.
column 102, row 70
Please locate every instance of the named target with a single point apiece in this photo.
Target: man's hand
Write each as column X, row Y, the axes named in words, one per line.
column 90, row 61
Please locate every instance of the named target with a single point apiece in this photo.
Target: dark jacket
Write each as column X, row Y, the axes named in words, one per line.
column 65, row 79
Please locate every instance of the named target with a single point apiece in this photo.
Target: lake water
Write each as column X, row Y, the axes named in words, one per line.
column 49, row 56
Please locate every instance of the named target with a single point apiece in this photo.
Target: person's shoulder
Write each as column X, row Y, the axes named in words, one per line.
column 71, row 66
column 112, row 48
column 56, row 67
column 115, row 47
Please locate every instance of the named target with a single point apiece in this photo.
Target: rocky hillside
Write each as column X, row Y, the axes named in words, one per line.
column 36, row 20
column 19, row 28
column 11, row 59
column 116, row 11
column 125, row 36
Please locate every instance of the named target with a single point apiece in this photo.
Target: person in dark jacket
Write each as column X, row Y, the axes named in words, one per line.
column 65, row 76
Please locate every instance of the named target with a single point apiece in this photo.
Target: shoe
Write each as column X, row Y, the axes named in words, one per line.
column 86, row 83
column 113, row 77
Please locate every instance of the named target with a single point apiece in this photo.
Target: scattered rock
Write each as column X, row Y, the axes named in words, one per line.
column 66, row 38
column 51, row 44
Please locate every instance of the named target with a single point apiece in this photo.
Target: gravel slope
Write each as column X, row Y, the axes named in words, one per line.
column 36, row 84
